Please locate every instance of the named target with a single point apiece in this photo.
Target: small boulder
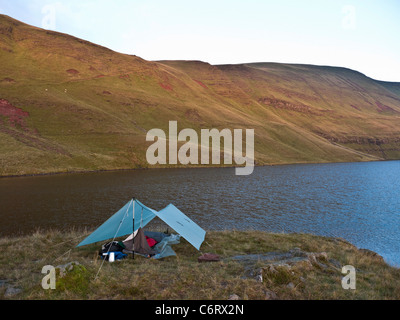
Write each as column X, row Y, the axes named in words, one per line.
column 209, row 257
column 3, row 283
column 234, row 297
column 64, row 269
column 290, row 285
column 270, row 295
column 259, row 275
column 11, row 291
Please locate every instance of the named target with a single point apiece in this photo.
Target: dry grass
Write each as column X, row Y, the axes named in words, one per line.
column 184, row 278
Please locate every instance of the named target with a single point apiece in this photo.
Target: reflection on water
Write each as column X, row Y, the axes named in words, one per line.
column 356, row 201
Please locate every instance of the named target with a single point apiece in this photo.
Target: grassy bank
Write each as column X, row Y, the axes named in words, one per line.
column 317, row 275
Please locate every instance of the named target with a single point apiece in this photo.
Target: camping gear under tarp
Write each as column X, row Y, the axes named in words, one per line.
column 161, row 249
column 138, row 243
column 135, row 215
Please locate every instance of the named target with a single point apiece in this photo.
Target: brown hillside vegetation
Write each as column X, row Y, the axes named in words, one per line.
column 69, row 105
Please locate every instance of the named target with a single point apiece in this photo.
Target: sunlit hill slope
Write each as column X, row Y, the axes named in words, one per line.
column 70, row 105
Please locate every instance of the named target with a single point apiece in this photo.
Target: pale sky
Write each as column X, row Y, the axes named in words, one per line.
column 361, row 35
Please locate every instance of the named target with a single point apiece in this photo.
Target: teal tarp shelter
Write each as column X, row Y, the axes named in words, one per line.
column 134, row 212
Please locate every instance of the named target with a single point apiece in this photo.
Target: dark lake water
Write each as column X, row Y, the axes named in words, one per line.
column 359, row 202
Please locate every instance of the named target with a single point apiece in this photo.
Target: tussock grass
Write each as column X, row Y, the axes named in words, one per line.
column 183, row 277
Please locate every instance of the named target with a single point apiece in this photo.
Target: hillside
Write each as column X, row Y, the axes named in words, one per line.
column 69, row 105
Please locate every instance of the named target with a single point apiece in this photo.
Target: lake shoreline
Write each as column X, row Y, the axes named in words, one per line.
column 175, row 167
column 325, row 199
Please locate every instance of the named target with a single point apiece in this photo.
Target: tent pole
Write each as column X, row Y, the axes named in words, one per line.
column 133, row 239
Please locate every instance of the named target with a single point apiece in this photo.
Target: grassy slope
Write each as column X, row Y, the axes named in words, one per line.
column 88, row 108
column 182, row 277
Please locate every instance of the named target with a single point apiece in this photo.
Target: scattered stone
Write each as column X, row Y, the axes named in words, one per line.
column 315, row 259
column 234, row 297
column 270, row 295
column 259, row 275
column 3, row 283
column 294, row 258
column 259, row 278
column 11, row 291
column 209, row 257
column 290, row 285
column 335, row 263
column 272, row 259
column 270, row 269
column 64, row 269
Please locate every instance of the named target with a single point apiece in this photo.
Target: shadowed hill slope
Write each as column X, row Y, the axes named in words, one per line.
column 67, row 104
